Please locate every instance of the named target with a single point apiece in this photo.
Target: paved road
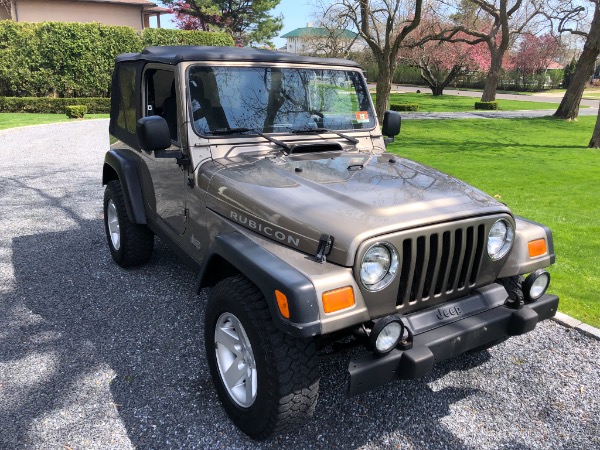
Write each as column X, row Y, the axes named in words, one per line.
column 93, row 356
column 490, row 114
column 548, row 97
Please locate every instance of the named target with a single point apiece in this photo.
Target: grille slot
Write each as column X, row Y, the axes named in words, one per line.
column 440, row 264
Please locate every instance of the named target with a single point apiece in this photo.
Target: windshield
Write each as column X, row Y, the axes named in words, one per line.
column 274, row 100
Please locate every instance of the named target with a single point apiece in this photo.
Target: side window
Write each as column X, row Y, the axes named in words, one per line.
column 126, row 119
column 161, row 97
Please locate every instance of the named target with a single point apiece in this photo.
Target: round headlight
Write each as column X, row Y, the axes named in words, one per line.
column 379, row 266
column 500, row 239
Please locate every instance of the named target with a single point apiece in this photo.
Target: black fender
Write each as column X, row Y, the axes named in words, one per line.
column 232, row 253
column 124, row 165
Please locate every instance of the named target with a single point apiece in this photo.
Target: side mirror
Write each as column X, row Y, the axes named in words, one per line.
column 391, row 123
column 153, row 133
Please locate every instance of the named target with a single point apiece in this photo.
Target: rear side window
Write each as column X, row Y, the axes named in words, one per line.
column 126, row 118
column 125, row 103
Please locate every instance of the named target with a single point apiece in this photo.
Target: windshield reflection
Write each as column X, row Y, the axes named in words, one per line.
column 275, row 100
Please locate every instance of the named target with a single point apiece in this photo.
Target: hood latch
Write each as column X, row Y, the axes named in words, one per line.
column 324, row 248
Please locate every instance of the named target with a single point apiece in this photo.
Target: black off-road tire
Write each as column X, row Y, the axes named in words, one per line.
column 513, row 285
column 136, row 241
column 287, row 367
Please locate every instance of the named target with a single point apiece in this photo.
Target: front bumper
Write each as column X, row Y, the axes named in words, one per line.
column 446, row 341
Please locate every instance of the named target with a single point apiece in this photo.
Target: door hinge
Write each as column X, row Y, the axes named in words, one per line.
column 183, row 162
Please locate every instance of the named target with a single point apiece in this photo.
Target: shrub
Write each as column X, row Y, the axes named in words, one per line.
column 75, row 111
column 486, row 105
column 49, row 105
column 76, row 59
column 164, row 36
column 404, row 106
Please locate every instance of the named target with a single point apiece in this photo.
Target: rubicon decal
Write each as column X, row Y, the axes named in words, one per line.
column 265, row 229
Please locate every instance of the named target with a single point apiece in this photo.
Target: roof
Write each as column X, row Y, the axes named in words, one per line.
column 553, row 65
column 144, row 3
column 177, row 54
column 148, row 6
column 320, row 32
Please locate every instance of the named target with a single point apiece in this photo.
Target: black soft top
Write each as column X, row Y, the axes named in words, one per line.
column 177, row 54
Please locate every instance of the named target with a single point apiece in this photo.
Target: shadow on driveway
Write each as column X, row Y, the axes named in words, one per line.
column 143, row 329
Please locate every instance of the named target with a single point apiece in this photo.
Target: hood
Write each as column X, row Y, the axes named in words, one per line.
column 350, row 196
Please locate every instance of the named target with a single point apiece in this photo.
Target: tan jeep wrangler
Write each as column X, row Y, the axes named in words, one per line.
column 267, row 173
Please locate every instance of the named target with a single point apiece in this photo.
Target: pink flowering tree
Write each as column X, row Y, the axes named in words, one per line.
column 440, row 62
column 535, row 54
column 496, row 24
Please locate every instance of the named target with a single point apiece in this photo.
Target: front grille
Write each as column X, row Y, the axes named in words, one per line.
column 439, row 265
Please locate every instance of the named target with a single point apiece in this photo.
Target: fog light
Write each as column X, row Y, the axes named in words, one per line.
column 386, row 333
column 535, row 285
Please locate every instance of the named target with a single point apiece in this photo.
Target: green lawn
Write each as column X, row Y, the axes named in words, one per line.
column 457, row 103
column 542, row 169
column 11, row 120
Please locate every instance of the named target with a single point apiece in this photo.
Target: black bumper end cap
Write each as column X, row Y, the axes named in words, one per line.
column 523, row 321
column 415, row 363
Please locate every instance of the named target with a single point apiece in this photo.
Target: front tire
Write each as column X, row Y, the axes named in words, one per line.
column 267, row 380
column 130, row 244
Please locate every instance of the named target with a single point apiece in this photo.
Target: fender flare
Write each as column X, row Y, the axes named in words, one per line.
column 268, row 273
column 125, row 166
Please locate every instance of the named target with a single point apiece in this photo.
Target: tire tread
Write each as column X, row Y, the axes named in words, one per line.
column 296, row 365
column 137, row 240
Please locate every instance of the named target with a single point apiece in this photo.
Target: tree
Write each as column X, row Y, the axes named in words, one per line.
column 383, row 25
column 571, row 22
column 569, row 71
column 497, row 23
column 595, row 141
column 248, row 21
column 535, row 53
column 330, row 39
column 440, row 62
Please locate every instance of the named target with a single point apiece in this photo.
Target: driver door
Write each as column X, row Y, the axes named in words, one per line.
column 164, row 178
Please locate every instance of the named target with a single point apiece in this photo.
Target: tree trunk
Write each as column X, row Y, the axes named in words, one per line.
column 437, row 90
column 595, row 141
column 383, row 88
column 492, row 78
column 569, row 106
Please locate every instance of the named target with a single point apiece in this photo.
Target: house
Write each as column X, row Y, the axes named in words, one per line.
column 132, row 13
column 317, row 40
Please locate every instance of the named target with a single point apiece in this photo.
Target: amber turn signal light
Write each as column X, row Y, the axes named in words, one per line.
column 537, row 248
column 282, row 303
column 338, row 299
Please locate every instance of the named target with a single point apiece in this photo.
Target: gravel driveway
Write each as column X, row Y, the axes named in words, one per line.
column 94, row 356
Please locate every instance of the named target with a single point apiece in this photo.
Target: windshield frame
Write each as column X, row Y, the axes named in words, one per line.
column 188, row 96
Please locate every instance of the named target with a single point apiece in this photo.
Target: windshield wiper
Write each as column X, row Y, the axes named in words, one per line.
column 224, row 131
column 325, row 130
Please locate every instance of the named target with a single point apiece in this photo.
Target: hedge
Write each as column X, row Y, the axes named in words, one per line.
column 486, row 105
column 49, row 105
column 404, row 106
column 76, row 59
column 164, row 36
column 75, row 111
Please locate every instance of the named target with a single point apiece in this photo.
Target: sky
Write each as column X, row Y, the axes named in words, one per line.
column 296, row 14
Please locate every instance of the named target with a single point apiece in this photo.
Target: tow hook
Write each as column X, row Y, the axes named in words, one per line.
column 515, row 299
